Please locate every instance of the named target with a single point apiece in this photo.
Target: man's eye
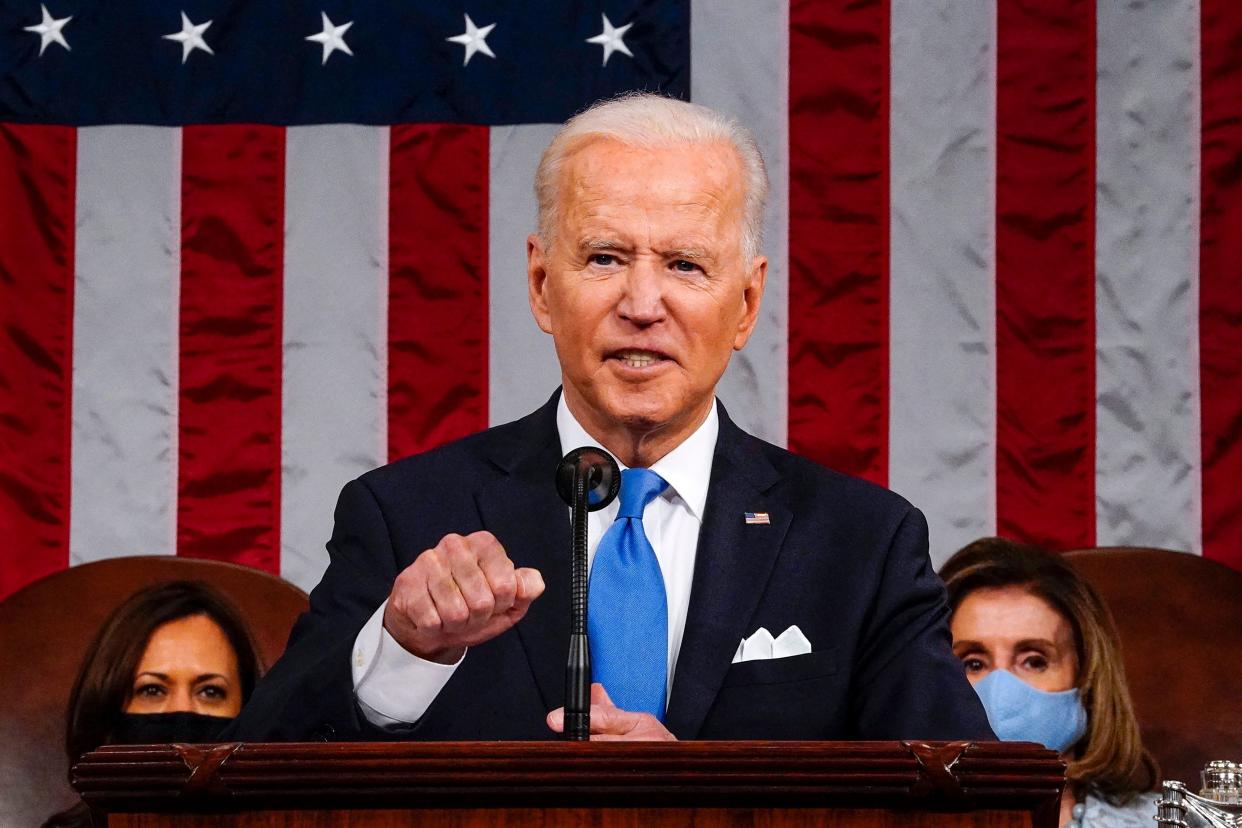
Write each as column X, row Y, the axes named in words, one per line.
column 683, row 266
column 603, row 259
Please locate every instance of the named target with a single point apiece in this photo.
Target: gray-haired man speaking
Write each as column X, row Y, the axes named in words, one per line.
column 737, row 591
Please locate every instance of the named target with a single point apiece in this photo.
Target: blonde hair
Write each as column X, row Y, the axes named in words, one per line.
column 1110, row 757
column 646, row 121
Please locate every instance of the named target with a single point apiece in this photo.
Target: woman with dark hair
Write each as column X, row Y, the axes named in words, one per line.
column 1042, row 652
column 175, row 662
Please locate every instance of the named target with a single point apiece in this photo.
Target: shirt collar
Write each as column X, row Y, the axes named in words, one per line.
column 687, row 468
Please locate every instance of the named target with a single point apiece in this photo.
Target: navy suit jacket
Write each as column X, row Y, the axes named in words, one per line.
column 843, row 559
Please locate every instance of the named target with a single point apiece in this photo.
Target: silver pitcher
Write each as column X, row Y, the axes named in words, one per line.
column 1217, row 805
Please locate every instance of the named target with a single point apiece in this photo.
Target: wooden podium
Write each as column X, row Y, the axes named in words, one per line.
column 559, row 783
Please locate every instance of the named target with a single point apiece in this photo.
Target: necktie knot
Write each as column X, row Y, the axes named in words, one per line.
column 638, row 488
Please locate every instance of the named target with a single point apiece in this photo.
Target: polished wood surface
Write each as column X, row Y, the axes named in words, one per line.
column 558, row 783
column 600, row 818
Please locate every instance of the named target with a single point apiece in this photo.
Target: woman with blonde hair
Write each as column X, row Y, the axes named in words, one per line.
column 1041, row 649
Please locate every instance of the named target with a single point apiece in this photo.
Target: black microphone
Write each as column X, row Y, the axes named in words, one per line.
column 588, row 479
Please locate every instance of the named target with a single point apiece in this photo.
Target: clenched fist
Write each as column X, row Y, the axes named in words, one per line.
column 460, row 593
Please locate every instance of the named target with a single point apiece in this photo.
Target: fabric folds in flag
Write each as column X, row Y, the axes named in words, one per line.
column 249, row 251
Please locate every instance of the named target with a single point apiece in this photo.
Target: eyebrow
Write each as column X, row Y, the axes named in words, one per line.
column 605, row 243
column 1036, row 644
column 686, row 253
column 968, row 645
column 593, row 243
column 197, row 679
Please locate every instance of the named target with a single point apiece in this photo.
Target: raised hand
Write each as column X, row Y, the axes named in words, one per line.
column 460, row 593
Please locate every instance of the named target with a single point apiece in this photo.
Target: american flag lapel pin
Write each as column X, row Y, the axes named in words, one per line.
column 757, row 518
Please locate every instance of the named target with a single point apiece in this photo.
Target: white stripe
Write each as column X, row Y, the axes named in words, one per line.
column 1147, row 208
column 748, row 77
column 1196, row 400
column 942, row 333
column 992, row 398
column 522, row 366
column 335, row 330
column 125, row 342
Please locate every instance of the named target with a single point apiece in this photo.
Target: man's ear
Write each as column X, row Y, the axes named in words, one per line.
column 537, row 282
column 752, row 299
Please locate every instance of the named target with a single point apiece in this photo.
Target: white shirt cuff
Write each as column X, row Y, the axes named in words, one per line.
column 393, row 686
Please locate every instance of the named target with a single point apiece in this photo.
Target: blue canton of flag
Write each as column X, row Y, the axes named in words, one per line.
column 87, row 62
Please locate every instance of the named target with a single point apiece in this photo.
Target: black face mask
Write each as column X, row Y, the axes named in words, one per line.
column 166, row 728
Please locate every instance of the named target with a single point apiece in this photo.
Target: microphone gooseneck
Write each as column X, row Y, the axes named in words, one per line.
column 578, row 666
column 587, row 479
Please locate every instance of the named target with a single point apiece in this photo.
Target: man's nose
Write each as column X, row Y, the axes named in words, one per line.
column 642, row 299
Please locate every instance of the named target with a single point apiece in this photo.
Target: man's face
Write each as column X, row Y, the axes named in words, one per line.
column 644, row 287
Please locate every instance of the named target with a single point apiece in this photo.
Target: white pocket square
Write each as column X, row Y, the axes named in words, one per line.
column 761, row 644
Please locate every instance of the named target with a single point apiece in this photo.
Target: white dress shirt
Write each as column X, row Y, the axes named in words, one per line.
column 394, row 687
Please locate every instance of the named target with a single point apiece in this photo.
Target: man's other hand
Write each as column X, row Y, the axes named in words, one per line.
column 461, row 593
column 610, row 723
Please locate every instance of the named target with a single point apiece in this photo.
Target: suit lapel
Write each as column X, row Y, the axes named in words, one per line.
column 732, row 566
column 522, row 509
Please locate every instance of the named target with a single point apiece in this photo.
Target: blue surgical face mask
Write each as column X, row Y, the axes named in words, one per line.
column 1020, row 713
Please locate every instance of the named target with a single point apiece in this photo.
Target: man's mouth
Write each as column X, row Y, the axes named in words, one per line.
column 638, row 359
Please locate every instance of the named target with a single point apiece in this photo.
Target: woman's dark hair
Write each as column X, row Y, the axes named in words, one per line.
column 106, row 678
column 1110, row 758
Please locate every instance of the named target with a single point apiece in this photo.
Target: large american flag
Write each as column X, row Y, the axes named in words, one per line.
column 250, row 250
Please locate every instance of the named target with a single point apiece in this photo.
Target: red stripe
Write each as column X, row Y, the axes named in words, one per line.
column 1220, row 280
column 1045, row 271
column 232, row 226
column 838, row 234
column 37, row 180
column 437, row 292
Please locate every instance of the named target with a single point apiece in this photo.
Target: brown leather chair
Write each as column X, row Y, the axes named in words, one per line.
column 1179, row 617
column 45, row 629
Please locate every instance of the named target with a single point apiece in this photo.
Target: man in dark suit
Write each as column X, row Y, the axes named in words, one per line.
column 738, row 591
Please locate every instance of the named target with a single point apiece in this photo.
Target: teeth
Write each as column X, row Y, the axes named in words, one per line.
column 635, row 359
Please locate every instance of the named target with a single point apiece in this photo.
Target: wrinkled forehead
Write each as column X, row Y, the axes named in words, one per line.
column 1013, row 612
column 600, row 174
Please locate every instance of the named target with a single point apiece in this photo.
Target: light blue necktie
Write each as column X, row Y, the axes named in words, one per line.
column 627, row 615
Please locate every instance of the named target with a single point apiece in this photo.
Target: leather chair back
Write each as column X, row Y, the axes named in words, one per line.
column 45, row 629
column 1179, row 617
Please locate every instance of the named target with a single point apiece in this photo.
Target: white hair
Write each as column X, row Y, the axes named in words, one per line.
column 644, row 120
